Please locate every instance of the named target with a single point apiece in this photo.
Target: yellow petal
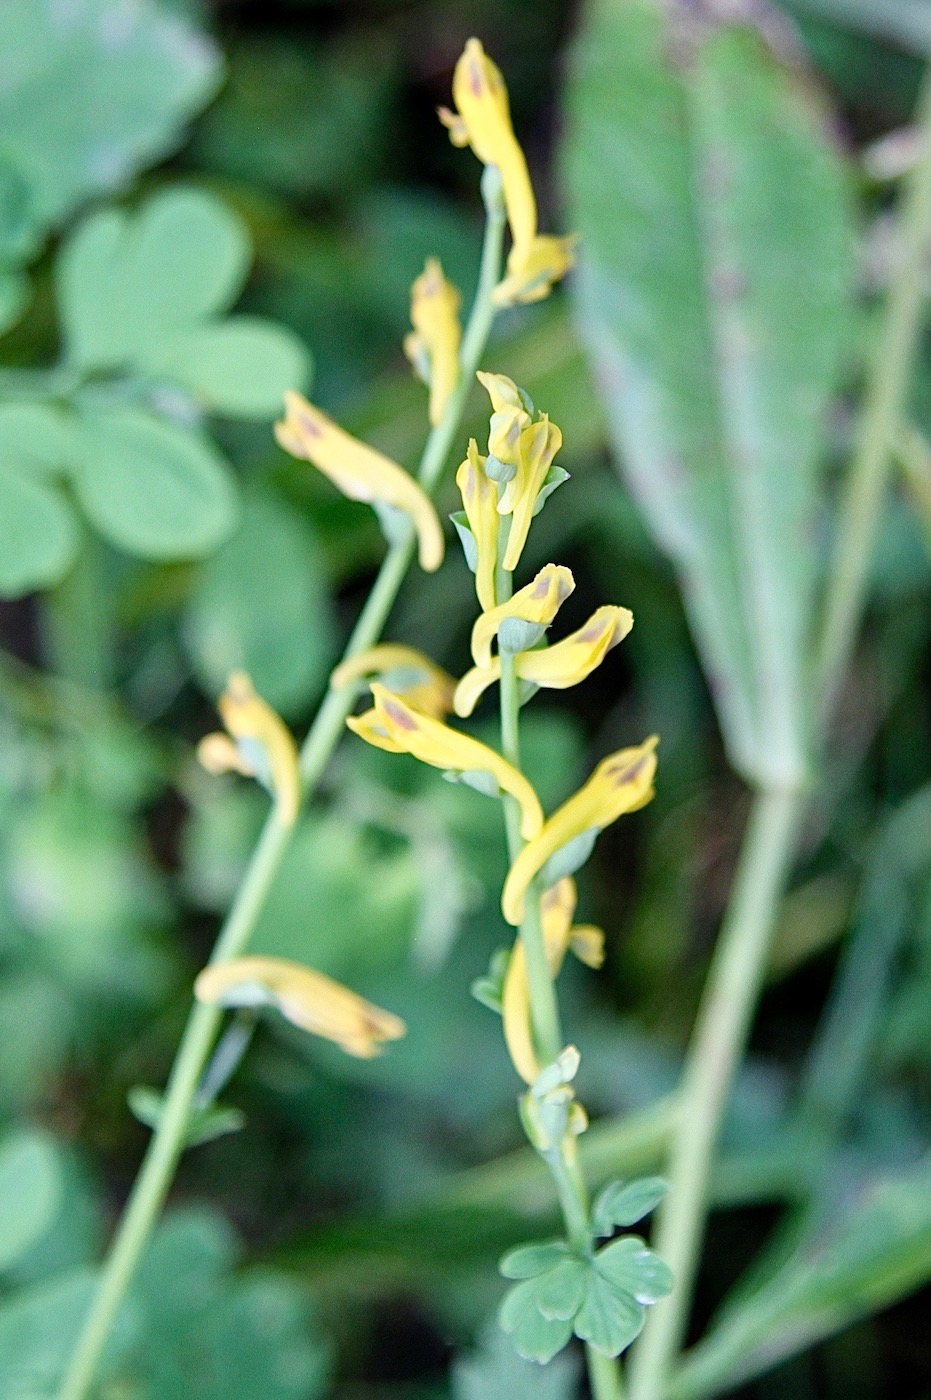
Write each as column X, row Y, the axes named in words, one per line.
column 359, row 471
column 533, row 269
column 509, row 417
column 443, row 747
column 484, row 119
column 568, row 662
column 306, row 998
column 623, row 782
column 473, row 686
column 218, row 754
column 480, row 499
column 370, row 727
column 538, row 602
column 588, row 944
column 537, row 447
column 403, row 670
column 265, row 743
column 434, row 316
column 556, row 909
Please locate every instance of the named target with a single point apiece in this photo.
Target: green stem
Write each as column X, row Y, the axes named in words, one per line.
column 720, row 1034
column 883, row 412
column 158, row 1167
column 604, row 1376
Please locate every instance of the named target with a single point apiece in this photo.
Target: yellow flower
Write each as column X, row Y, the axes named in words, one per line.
column 306, row 998
column 558, row 667
column 621, row 783
column 483, row 121
column 509, row 416
column 480, row 499
column 531, row 276
column 360, row 472
column 403, row 670
column 537, row 447
column 399, row 728
column 557, row 906
column 433, row 345
column 263, row 747
column 537, row 604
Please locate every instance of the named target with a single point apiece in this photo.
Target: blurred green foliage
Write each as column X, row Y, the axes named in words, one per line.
column 196, row 199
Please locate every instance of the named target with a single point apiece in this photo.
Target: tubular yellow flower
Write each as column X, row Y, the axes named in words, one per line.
column 403, row 670
column 558, row 667
column 263, row 748
column 306, row 998
column 537, row 448
column 480, row 499
column 556, row 909
column 482, row 120
column 433, row 345
column 408, row 731
column 537, row 603
column 509, row 416
column 360, row 472
column 621, row 783
column 531, row 277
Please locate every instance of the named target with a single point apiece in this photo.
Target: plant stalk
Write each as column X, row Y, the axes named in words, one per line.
column 158, row 1167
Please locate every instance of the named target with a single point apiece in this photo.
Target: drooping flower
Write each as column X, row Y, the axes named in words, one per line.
column 621, row 783
column 536, row 605
column 258, row 744
column 360, row 472
column 398, row 728
column 433, row 345
column 306, row 998
column 480, row 499
column 482, row 120
column 403, row 670
column 510, row 415
column 556, row 667
column 557, row 907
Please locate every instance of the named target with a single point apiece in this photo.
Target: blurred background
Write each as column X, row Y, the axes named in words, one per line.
column 340, row 1242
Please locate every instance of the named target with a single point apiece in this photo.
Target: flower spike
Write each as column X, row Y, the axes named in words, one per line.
column 306, row 998
column 621, row 783
column 480, row 499
column 403, row 670
column 261, row 746
column 399, row 728
column 537, row 603
column 557, row 667
column 360, row 472
column 433, row 345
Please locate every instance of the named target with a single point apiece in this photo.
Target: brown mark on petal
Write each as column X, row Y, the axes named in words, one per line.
column 399, row 716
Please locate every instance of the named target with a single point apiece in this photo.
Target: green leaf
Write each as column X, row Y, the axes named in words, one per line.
column 561, row 1290
column 607, row 1319
column 30, row 1190
column 36, row 436
column 240, row 367
column 535, row 1337
column 713, row 293
column 532, row 1259
column 621, row 1204
column 18, row 231
column 262, row 603
column 39, row 539
column 38, row 1329
column 495, row 1372
column 205, row 1124
column 127, row 282
column 93, row 93
column 634, row 1269
column 156, row 490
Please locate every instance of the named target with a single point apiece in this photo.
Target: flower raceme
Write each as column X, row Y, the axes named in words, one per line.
column 405, row 671
column 623, row 782
column 360, row 472
column 433, row 345
column 399, row 728
column 482, row 120
column 306, row 998
column 556, row 667
column 257, row 744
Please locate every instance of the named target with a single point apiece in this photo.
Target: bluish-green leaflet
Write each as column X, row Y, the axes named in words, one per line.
column 713, row 295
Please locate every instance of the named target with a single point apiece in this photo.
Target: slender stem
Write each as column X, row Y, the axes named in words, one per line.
column 158, row 1167
column 882, row 416
column 604, row 1376
column 720, row 1033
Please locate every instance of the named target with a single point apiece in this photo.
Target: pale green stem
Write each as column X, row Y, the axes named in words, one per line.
column 158, row 1167
column 735, row 976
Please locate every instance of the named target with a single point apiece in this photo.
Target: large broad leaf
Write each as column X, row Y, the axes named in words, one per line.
column 92, row 90
column 39, row 537
column 713, row 295
column 154, row 489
